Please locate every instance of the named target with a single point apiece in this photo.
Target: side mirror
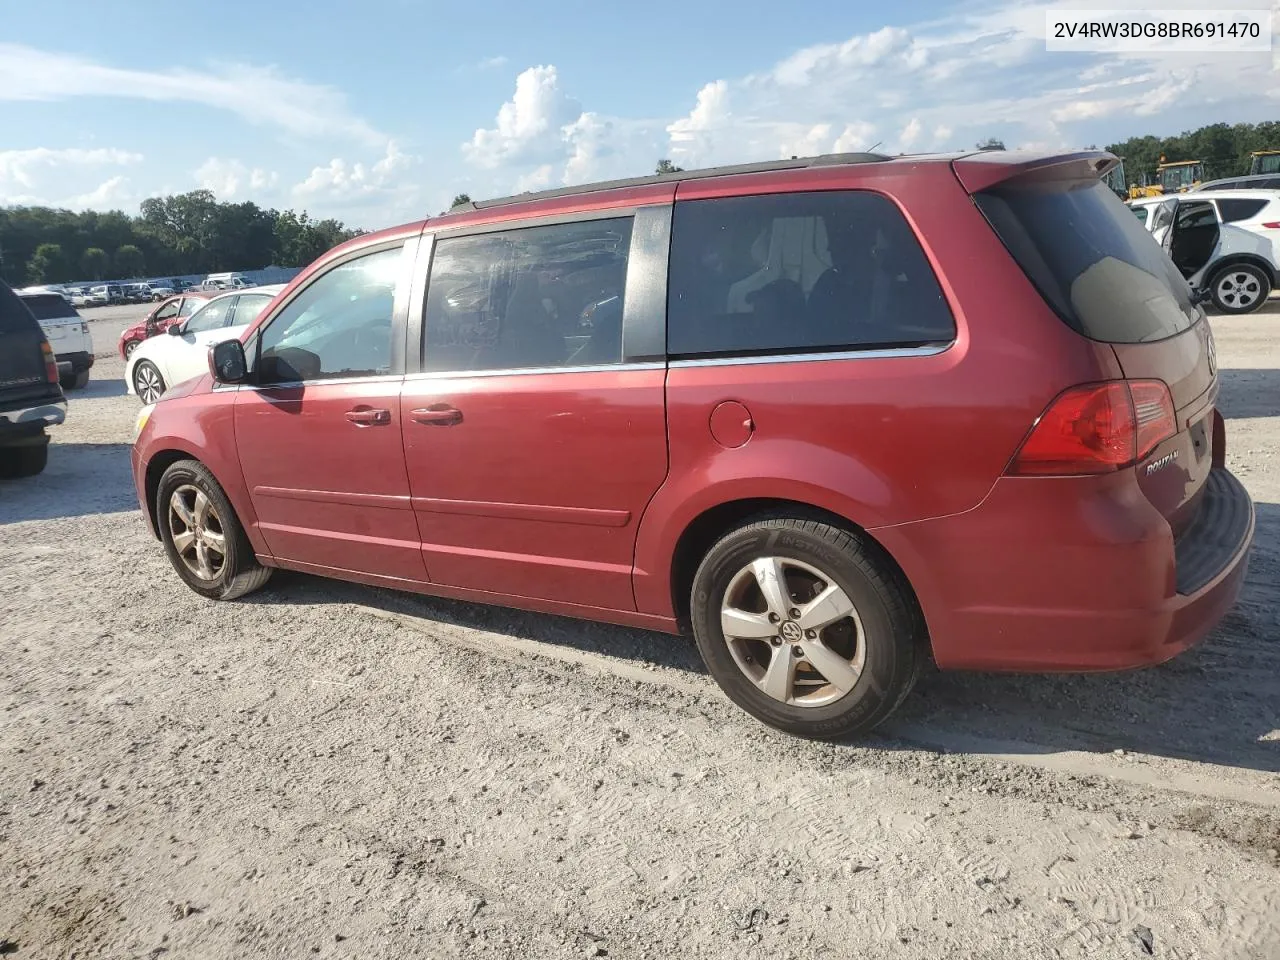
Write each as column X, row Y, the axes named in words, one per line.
column 227, row 362
column 176, row 330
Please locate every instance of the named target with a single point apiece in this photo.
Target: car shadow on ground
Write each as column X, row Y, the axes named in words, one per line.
column 81, row 479
column 1249, row 393
column 96, row 389
column 1218, row 703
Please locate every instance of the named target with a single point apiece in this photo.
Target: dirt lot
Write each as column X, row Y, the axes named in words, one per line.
column 332, row 770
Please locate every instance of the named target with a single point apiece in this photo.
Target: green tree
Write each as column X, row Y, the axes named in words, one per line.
column 666, row 166
column 460, row 199
column 991, row 143
column 94, row 262
column 47, row 264
column 129, row 261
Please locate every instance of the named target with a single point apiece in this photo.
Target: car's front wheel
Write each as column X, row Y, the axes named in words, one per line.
column 807, row 627
column 203, row 536
column 129, row 347
column 1240, row 288
column 148, row 384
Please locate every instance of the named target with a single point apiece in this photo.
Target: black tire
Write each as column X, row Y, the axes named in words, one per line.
column 239, row 572
column 893, row 636
column 141, row 388
column 76, row 381
column 1240, row 288
column 129, row 347
column 23, row 461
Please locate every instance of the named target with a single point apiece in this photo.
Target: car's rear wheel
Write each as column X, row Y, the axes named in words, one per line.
column 1240, row 288
column 203, row 536
column 807, row 627
column 76, row 381
column 23, row 461
column 147, row 382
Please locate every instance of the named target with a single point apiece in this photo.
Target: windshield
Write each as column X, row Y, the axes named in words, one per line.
column 1268, row 163
column 1175, row 178
column 50, row 306
column 1093, row 262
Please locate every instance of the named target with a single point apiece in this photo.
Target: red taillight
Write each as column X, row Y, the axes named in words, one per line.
column 1097, row 428
column 50, row 362
column 1273, row 225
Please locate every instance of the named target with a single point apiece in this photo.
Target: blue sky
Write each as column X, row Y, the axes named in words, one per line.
column 378, row 112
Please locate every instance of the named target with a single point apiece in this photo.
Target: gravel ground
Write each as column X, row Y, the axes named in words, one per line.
column 327, row 769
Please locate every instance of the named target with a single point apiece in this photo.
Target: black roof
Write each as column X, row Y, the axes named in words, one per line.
column 796, row 163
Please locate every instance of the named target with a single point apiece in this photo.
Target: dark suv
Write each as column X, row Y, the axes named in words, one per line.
column 30, row 396
column 834, row 415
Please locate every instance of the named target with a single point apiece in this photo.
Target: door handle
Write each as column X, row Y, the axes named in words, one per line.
column 439, row 415
column 366, row 417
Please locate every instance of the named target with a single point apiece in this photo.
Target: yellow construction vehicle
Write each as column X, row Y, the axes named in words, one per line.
column 1264, row 161
column 1177, row 177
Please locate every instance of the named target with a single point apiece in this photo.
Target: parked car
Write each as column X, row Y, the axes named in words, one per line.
column 226, row 281
column 1226, row 242
column 1257, row 182
column 66, row 332
column 105, row 293
column 168, row 312
column 160, row 291
column 845, row 413
column 30, row 399
column 158, row 363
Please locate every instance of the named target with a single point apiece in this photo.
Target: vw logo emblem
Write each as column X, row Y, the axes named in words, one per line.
column 791, row 631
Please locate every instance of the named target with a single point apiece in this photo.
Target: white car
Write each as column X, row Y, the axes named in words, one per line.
column 66, row 332
column 182, row 351
column 1226, row 242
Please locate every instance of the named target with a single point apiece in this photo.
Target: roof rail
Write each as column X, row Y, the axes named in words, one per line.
column 795, row 163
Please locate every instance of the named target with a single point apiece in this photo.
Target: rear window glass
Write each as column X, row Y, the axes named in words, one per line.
column 1234, row 209
column 50, row 306
column 1091, row 259
column 13, row 315
column 799, row 272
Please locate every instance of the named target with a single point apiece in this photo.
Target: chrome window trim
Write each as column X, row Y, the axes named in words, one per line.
column 295, row 384
column 870, row 353
column 445, row 232
column 531, row 371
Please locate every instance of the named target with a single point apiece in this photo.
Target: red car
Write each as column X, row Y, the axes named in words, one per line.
column 164, row 315
column 833, row 415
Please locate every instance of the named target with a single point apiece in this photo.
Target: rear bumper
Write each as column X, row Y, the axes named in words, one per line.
column 30, row 420
column 1044, row 577
column 71, row 363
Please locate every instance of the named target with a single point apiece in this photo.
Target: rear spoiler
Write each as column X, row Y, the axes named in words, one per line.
column 979, row 171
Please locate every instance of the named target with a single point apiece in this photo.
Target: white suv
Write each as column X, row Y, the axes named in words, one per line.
column 1226, row 242
column 66, row 332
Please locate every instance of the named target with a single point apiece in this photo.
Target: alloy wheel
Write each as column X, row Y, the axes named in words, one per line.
column 147, row 382
column 1239, row 289
column 793, row 632
column 197, row 532
column 129, row 347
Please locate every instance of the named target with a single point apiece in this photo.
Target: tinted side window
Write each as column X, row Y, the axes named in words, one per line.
column 338, row 326
column 799, row 272
column 190, row 305
column 537, row 297
column 14, row 314
column 1237, row 209
column 168, row 310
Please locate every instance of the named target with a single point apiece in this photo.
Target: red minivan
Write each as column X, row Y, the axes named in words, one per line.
column 833, row 415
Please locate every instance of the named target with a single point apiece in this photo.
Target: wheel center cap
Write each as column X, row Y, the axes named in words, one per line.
column 791, row 631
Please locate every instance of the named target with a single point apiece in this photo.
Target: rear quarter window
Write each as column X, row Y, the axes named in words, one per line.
column 14, row 315
column 1234, row 209
column 1090, row 258
column 799, row 273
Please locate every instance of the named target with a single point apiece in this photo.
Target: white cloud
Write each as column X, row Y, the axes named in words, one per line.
column 492, row 63
column 379, row 193
column 910, row 134
column 69, row 177
column 529, row 125
column 260, row 95
column 233, row 180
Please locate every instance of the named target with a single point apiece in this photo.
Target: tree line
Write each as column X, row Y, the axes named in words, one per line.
column 1223, row 147
column 185, row 234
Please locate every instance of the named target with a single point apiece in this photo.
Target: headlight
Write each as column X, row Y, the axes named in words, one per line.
column 140, row 423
